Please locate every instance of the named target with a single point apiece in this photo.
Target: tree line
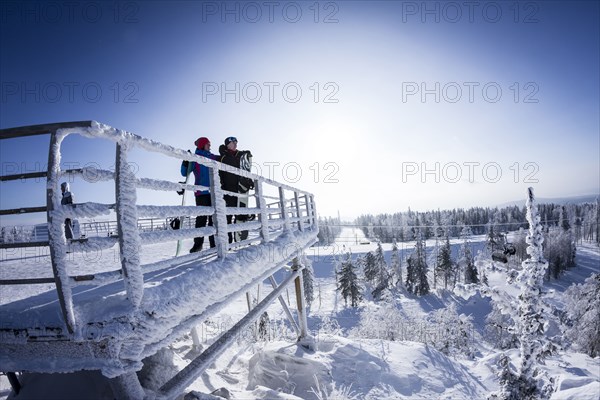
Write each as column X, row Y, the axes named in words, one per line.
column 402, row 226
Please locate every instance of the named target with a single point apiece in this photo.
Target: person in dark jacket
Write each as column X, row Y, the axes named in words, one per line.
column 202, row 178
column 230, row 182
column 67, row 198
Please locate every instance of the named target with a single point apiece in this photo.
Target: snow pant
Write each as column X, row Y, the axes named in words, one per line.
column 230, row 201
column 242, row 218
column 203, row 200
column 68, row 228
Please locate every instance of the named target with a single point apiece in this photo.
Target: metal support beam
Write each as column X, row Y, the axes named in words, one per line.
column 14, row 382
column 193, row 370
column 285, row 307
column 300, row 299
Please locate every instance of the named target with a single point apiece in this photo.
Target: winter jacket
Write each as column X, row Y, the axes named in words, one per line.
column 67, row 197
column 229, row 181
column 201, row 172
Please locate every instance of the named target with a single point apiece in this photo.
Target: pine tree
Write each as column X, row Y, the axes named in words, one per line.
column 509, row 381
column 564, row 219
column 263, row 327
column 583, row 315
column 530, row 310
column 382, row 277
column 471, row 275
column 480, row 264
column 396, row 264
column 492, row 240
column 432, row 260
column 348, row 283
column 370, row 267
column 308, row 278
column 445, row 266
column 416, row 271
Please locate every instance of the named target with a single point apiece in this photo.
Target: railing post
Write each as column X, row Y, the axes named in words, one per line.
column 310, row 208
column 56, row 236
column 197, row 344
column 300, row 299
column 263, row 217
column 127, row 227
column 220, row 215
column 314, row 212
column 298, row 212
column 284, row 212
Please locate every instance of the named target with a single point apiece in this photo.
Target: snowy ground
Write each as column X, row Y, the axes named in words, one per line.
column 344, row 365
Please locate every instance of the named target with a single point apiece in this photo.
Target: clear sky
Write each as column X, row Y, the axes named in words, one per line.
column 372, row 106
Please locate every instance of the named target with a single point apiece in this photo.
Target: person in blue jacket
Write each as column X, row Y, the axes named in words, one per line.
column 202, row 178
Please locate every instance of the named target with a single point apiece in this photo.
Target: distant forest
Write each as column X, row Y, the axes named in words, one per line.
column 583, row 219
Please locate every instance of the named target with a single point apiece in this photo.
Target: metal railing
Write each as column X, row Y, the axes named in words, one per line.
column 294, row 210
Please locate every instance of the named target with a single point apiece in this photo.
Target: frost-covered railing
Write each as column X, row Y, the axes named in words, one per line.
column 288, row 210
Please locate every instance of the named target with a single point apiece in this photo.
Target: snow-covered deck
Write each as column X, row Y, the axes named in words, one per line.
column 110, row 314
column 175, row 299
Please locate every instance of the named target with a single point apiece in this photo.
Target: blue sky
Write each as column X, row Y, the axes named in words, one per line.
column 360, row 133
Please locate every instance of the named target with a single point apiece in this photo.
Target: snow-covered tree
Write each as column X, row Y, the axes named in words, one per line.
column 509, row 382
column 264, row 332
column 444, row 265
column 453, row 331
column 432, row 260
column 416, row 270
column 348, row 284
column 492, row 238
column 396, row 264
column 499, row 328
column 382, row 274
column 559, row 250
column 308, row 278
column 480, row 264
column 583, row 315
column 520, row 245
column 467, row 264
column 369, row 265
column 563, row 219
column 381, row 321
column 531, row 312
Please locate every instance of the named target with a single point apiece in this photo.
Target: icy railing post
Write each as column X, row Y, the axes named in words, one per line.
column 284, row 212
column 263, row 217
column 300, row 299
column 220, row 216
column 56, row 234
column 308, row 209
column 127, row 226
column 298, row 212
column 315, row 223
